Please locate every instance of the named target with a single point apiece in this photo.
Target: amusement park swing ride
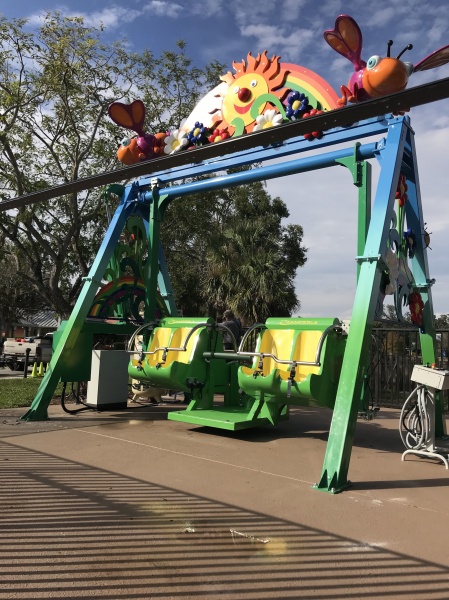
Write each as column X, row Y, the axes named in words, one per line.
column 266, row 109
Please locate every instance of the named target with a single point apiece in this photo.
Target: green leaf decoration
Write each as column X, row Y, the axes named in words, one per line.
column 263, row 99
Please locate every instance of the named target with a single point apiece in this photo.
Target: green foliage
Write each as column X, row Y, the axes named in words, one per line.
column 14, row 293
column 48, row 137
column 389, row 313
column 18, row 392
column 442, row 322
column 171, row 86
column 55, row 89
column 230, row 249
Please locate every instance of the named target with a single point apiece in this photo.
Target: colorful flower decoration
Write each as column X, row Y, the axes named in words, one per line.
column 401, row 192
column 314, row 134
column 198, row 135
column 270, row 118
column 297, row 105
column 159, row 144
column 410, row 240
column 416, row 306
column 218, row 135
column 175, row 141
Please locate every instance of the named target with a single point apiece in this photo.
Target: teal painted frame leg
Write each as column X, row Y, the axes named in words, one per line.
column 38, row 409
column 361, row 172
column 341, row 435
column 164, row 284
column 153, row 263
column 361, row 177
column 163, row 280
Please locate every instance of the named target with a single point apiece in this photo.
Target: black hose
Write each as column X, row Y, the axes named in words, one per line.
column 78, row 410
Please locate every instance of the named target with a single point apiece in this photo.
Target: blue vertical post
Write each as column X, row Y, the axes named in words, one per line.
column 38, row 409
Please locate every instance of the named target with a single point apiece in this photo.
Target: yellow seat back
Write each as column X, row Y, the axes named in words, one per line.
column 178, row 340
column 160, row 339
column 279, row 343
column 304, row 350
column 166, row 337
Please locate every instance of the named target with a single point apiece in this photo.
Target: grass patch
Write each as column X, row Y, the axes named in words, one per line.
column 17, row 393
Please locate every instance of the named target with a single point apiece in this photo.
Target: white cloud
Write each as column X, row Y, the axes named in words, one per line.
column 332, row 8
column 437, row 33
column 289, row 45
column 290, row 10
column 116, row 16
column 325, row 204
column 161, row 8
column 112, row 17
column 254, row 13
column 381, row 17
column 341, row 68
column 207, row 8
column 266, row 35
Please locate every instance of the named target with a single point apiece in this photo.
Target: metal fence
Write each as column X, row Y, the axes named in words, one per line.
column 394, row 352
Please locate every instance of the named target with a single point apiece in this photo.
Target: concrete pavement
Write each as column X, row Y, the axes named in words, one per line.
column 128, row 505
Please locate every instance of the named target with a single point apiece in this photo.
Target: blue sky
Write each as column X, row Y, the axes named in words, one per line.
column 226, row 30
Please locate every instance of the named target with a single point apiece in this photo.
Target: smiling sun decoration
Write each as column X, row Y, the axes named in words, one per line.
column 256, row 83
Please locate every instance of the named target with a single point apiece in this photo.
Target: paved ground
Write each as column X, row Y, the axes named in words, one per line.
column 6, row 373
column 131, row 506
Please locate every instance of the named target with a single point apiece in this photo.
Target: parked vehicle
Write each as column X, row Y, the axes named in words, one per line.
column 14, row 351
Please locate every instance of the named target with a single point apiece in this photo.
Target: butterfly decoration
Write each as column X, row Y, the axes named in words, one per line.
column 143, row 146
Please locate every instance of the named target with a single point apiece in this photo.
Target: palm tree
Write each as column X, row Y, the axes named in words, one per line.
column 251, row 270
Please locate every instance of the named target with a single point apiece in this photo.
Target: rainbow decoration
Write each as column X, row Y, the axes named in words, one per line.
column 250, row 99
column 118, row 291
column 321, row 95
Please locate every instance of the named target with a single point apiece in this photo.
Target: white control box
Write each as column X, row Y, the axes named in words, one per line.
column 433, row 378
column 108, row 385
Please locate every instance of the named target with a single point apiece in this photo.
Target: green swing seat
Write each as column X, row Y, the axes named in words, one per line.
column 174, row 357
column 296, row 362
column 289, row 367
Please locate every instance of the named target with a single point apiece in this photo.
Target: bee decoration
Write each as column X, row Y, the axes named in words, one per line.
column 378, row 76
column 427, row 237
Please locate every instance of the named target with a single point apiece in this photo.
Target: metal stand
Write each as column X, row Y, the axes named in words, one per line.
column 418, row 414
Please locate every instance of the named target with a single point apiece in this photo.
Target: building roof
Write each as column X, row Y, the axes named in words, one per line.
column 40, row 318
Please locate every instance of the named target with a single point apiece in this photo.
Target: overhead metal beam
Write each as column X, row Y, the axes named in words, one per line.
column 280, row 169
column 344, row 117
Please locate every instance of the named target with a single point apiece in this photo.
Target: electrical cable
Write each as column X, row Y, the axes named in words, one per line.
column 414, row 426
column 369, row 409
column 78, row 399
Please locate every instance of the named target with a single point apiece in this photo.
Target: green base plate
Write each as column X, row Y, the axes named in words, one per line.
column 220, row 418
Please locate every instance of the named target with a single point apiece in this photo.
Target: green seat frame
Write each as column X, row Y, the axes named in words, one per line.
column 174, row 356
column 297, row 361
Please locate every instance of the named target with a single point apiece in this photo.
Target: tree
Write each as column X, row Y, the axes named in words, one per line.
column 14, row 295
column 442, row 322
column 51, row 133
column 230, row 249
column 389, row 313
column 55, row 88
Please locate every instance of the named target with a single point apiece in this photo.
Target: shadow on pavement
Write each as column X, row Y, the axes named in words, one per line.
column 69, row 530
